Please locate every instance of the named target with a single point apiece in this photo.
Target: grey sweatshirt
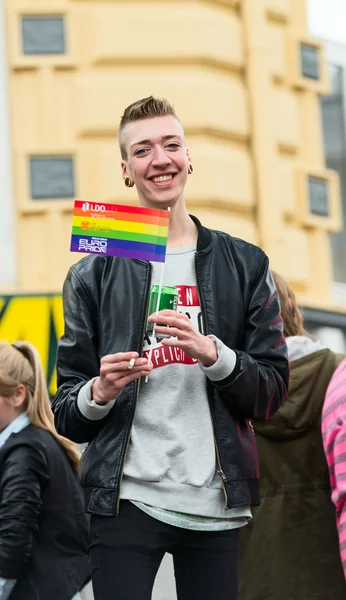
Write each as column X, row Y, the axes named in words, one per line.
column 171, row 460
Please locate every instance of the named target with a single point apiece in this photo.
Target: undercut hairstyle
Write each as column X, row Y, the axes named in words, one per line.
column 146, row 108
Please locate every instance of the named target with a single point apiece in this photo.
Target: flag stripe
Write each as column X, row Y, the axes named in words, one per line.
column 122, row 235
column 91, row 214
column 141, row 211
column 110, row 224
column 138, row 254
column 124, row 244
column 121, row 208
column 124, row 216
column 139, row 218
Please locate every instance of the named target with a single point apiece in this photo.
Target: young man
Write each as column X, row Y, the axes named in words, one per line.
column 171, row 464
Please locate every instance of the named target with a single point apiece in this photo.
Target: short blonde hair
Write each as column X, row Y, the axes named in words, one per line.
column 146, row 108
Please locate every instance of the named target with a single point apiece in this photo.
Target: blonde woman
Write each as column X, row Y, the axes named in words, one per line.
column 43, row 529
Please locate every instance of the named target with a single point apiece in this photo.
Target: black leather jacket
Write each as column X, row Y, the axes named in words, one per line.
column 105, row 304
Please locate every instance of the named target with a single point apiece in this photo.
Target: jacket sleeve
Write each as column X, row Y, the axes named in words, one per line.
column 335, row 446
column 258, row 385
column 23, row 476
column 334, row 443
column 77, row 361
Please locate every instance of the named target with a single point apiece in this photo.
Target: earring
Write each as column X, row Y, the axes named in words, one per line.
column 190, row 169
column 129, row 182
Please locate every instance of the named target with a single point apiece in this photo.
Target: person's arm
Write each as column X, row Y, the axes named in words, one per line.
column 24, row 474
column 258, row 380
column 87, row 385
column 77, row 365
column 334, row 440
column 254, row 380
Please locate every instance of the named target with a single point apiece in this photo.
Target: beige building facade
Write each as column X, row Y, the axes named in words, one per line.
column 245, row 77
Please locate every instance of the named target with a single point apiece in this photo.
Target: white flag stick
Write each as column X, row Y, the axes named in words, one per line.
column 156, row 311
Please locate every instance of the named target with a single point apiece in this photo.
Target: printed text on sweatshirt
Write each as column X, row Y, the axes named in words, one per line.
column 334, row 441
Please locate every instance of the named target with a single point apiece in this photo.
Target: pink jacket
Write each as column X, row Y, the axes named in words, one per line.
column 334, row 442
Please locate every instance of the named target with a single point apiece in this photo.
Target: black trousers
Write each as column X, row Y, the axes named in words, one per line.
column 126, row 552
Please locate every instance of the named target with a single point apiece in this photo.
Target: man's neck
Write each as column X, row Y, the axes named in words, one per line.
column 182, row 230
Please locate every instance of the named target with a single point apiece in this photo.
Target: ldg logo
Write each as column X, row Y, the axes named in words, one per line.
column 86, row 206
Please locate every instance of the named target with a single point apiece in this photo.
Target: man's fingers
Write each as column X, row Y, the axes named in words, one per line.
column 166, row 313
column 172, row 331
column 113, row 385
column 119, row 357
column 176, row 343
column 117, row 370
column 128, row 377
column 112, row 376
column 131, row 376
column 116, row 367
column 172, row 321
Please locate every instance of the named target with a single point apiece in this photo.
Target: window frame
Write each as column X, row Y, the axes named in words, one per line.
column 57, row 157
column 30, row 62
column 304, row 73
column 25, row 18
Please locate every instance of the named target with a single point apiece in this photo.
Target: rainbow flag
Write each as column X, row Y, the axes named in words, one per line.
column 117, row 230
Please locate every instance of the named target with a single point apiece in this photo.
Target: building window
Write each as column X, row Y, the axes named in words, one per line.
column 309, row 59
column 333, row 109
column 43, row 35
column 51, row 177
column 318, row 196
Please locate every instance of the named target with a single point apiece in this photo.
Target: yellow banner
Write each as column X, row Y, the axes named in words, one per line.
column 37, row 319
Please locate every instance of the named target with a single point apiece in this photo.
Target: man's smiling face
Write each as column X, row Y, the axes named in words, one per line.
column 156, row 160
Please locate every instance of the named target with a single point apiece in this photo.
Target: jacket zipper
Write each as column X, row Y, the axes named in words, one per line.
column 220, row 471
column 204, row 315
column 140, row 350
